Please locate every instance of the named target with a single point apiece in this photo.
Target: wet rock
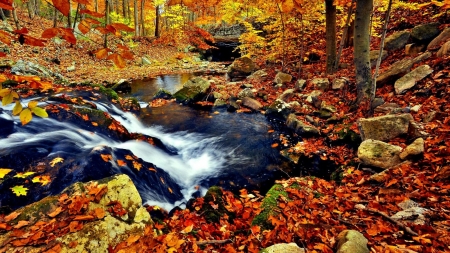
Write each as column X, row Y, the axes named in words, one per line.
column 411, row 212
column 284, row 248
column 282, row 78
column 409, row 80
column 384, row 128
column 413, row 149
column 241, row 67
column 219, row 103
column 300, row 127
column 247, row 92
column 400, row 67
column 327, row 107
column 300, row 84
column 373, row 56
column 339, row 83
column 425, row 32
column 162, row 93
column 397, row 40
column 321, row 83
column 414, row 49
column 251, row 103
column 377, row 102
column 279, row 109
column 351, row 241
column 287, row 94
column 440, row 39
column 379, row 154
column 193, row 90
column 313, row 95
column 32, row 69
column 233, row 105
column 444, row 50
column 123, row 85
column 290, row 156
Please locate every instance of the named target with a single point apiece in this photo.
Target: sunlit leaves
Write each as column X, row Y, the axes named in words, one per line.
column 44, row 180
column 56, row 160
column 117, row 60
column 17, row 108
column 50, row 33
column 19, row 190
column 8, row 96
column 4, row 172
column 65, row 33
column 63, row 6
column 24, row 174
column 102, row 53
column 5, row 37
column 25, row 116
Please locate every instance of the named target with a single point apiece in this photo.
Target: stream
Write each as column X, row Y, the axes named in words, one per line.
column 200, row 148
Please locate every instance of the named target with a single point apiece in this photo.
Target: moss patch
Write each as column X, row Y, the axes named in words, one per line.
column 269, row 206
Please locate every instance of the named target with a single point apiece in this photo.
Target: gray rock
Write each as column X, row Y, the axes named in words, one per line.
column 313, row 95
column 377, row 102
column 327, row 107
column 351, row 241
column 397, row 40
column 247, row 92
column 282, row 78
column 425, row 32
column 162, row 93
column 279, row 108
column 401, row 67
column 373, row 56
column 145, row 61
column 32, row 69
column 287, row 94
column 300, row 127
column 123, row 85
column 251, row 103
column 444, row 50
column 409, row 80
column 384, row 128
column 241, row 67
column 258, row 76
column 416, row 108
column 321, row 83
column 379, row 154
column 193, row 90
column 415, row 148
column 414, row 49
column 411, row 212
column 284, row 248
column 219, row 103
column 233, row 105
column 300, row 84
column 441, row 38
column 339, row 83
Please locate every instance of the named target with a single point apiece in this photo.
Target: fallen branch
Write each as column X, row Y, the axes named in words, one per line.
column 213, row 242
column 398, row 223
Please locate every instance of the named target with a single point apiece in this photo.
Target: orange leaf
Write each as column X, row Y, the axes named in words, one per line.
column 92, row 13
column 127, row 55
column 99, row 213
column 11, row 216
column 274, row 145
column 86, row 2
column 50, row 33
column 122, row 27
column 132, row 239
column 85, row 117
column 23, row 30
column 129, row 157
column 121, row 163
column 83, row 217
column 33, row 41
column 62, row 6
column 118, row 60
column 6, row 6
column 56, row 212
column 152, row 169
column 106, row 157
column 84, row 27
column 101, row 53
column 21, row 223
column 137, row 165
column 67, row 34
column 5, row 37
column 54, row 249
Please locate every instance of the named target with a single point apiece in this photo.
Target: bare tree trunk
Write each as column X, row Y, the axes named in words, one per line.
column 330, row 13
column 136, row 18
column 16, row 20
column 30, row 9
column 282, row 38
column 37, row 7
column 69, row 17
column 96, row 6
column 2, row 15
column 55, row 17
column 116, row 3
column 107, row 21
column 157, row 23
column 76, row 16
column 344, row 35
column 124, row 9
column 383, row 36
column 364, row 85
column 142, row 17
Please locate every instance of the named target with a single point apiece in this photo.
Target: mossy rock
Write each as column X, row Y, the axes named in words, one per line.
column 193, row 91
column 110, row 93
column 213, row 214
column 269, row 206
column 348, row 135
column 162, row 93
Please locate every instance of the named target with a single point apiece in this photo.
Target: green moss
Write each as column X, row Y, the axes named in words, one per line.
column 269, row 206
column 214, row 195
column 346, row 134
column 38, row 210
column 110, row 93
column 337, row 175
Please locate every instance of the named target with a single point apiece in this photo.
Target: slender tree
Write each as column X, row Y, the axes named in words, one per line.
column 364, row 85
column 143, row 17
column 157, row 22
column 136, row 18
column 330, row 15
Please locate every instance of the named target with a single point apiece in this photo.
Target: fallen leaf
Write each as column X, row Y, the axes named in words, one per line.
column 11, row 216
column 56, row 160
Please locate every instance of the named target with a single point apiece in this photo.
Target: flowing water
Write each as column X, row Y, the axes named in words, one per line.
column 203, row 148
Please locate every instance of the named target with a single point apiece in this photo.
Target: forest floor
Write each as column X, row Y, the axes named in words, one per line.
column 312, row 219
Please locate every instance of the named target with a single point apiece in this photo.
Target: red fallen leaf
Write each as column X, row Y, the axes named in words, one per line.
column 99, row 213
column 102, row 53
column 23, row 30
column 2, row 54
column 127, row 55
column 122, row 163
column 274, row 145
column 84, row 26
column 67, row 34
column 11, row 216
column 3, row 226
column 86, row 2
column 132, row 239
column 117, row 60
column 50, row 33
column 33, row 41
column 20, row 242
column 75, row 226
column 83, row 217
column 54, row 249
column 72, row 244
column 38, row 235
column 6, row 6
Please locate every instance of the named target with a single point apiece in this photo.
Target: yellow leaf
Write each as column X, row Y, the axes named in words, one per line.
column 24, row 175
column 4, row 92
column 32, row 104
column 287, row 6
column 17, row 108
column 25, row 116
column 44, row 180
column 38, row 111
column 7, row 99
column 19, row 190
column 4, row 172
column 137, row 165
column 56, row 160
column 187, row 229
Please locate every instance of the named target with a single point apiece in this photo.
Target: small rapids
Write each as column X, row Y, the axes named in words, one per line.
column 202, row 149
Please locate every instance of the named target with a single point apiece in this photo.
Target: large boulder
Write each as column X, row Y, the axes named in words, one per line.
column 251, row 103
column 282, row 78
column 193, row 90
column 397, row 40
column 300, row 127
column 241, row 67
column 374, row 54
column 91, row 217
column 351, row 241
column 321, row 83
column 379, row 154
column 444, row 50
column 279, row 109
column 425, row 32
column 409, row 80
column 123, row 85
column 385, row 127
column 415, row 148
column 284, row 248
column 441, row 38
column 400, row 67
column 27, row 68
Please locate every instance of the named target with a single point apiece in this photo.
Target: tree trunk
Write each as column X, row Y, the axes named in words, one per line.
column 157, row 21
column 69, row 17
column 30, row 9
column 136, row 18
column 344, row 35
column 124, row 9
column 107, row 21
column 37, row 7
column 55, row 17
column 16, row 20
column 142, row 17
column 96, row 6
column 330, row 10
column 364, row 85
